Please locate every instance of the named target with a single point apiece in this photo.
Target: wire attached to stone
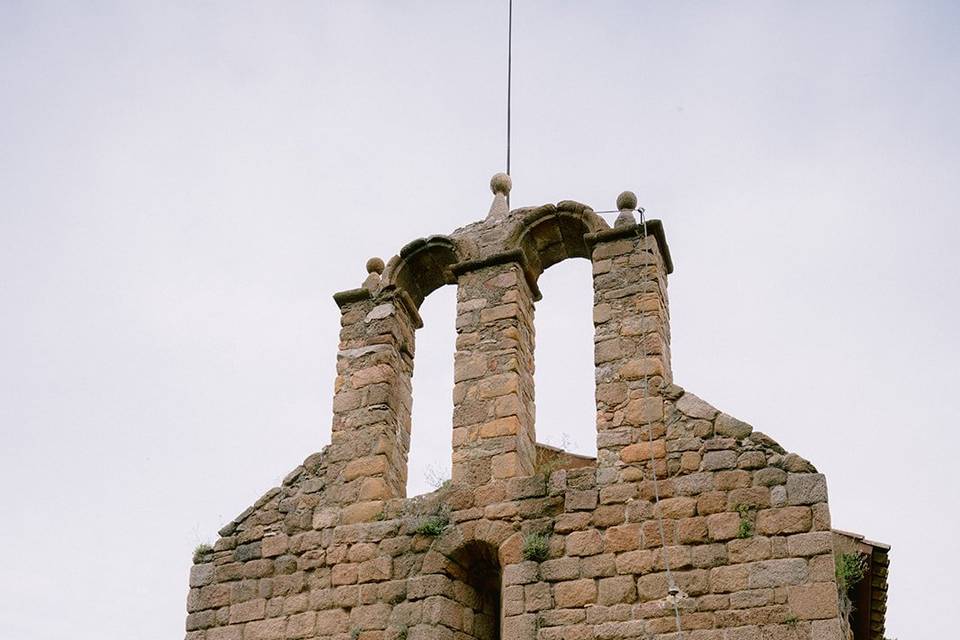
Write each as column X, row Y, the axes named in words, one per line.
column 627, row 203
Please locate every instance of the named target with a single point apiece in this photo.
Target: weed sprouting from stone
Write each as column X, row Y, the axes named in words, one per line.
column 200, row 552
column 536, row 547
column 745, row 530
column 850, row 569
column 433, row 525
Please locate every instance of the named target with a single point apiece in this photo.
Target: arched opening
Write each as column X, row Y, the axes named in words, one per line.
column 419, row 273
column 429, row 457
column 479, row 579
column 564, row 374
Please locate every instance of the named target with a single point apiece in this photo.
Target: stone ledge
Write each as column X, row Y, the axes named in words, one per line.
column 351, row 295
column 654, row 228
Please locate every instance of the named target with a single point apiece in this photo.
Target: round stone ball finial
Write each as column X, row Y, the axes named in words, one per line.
column 627, row 200
column 501, row 183
column 375, row 265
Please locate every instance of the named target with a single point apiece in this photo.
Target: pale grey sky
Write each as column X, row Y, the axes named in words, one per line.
column 183, row 185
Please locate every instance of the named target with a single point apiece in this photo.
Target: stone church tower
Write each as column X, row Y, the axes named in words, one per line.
column 688, row 524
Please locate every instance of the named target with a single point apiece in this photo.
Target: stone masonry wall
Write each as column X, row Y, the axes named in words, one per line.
column 338, row 552
column 493, row 414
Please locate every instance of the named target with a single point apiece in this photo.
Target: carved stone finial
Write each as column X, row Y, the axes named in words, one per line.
column 626, row 204
column 375, row 265
column 627, row 200
column 374, row 269
column 500, row 184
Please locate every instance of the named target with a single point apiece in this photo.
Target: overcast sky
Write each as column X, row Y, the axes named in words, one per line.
column 183, row 185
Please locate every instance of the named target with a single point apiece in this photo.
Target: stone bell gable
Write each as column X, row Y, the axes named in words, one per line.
column 687, row 517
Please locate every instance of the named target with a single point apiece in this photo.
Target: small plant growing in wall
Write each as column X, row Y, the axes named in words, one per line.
column 850, row 569
column 433, row 525
column 200, row 552
column 745, row 530
column 536, row 547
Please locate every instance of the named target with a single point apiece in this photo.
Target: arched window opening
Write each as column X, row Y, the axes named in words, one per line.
column 430, row 437
column 566, row 410
column 479, row 576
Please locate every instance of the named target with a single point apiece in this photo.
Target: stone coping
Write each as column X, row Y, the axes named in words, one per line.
column 654, row 228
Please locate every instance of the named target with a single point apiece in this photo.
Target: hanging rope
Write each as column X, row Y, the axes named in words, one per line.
column 673, row 591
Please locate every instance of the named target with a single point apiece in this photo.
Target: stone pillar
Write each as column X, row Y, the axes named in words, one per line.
column 632, row 336
column 493, row 414
column 372, row 399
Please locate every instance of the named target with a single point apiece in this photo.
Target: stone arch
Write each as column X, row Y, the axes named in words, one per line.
column 630, row 263
column 546, row 236
column 478, row 588
column 473, row 561
column 422, row 267
column 374, row 395
column 563, row 352
column 553, row 233
column 494, row 436
column 466, row 563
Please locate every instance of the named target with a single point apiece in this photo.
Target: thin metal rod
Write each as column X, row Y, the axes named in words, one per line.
column 509, row 74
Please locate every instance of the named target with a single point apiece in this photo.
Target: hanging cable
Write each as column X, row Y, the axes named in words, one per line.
column 673, row 592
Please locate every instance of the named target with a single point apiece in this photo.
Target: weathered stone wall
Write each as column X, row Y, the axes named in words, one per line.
column 493, row 406
column 338, row 552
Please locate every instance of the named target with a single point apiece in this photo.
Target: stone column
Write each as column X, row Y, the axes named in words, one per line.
column 372, row 399
column 493, row 415
column 632, row 337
